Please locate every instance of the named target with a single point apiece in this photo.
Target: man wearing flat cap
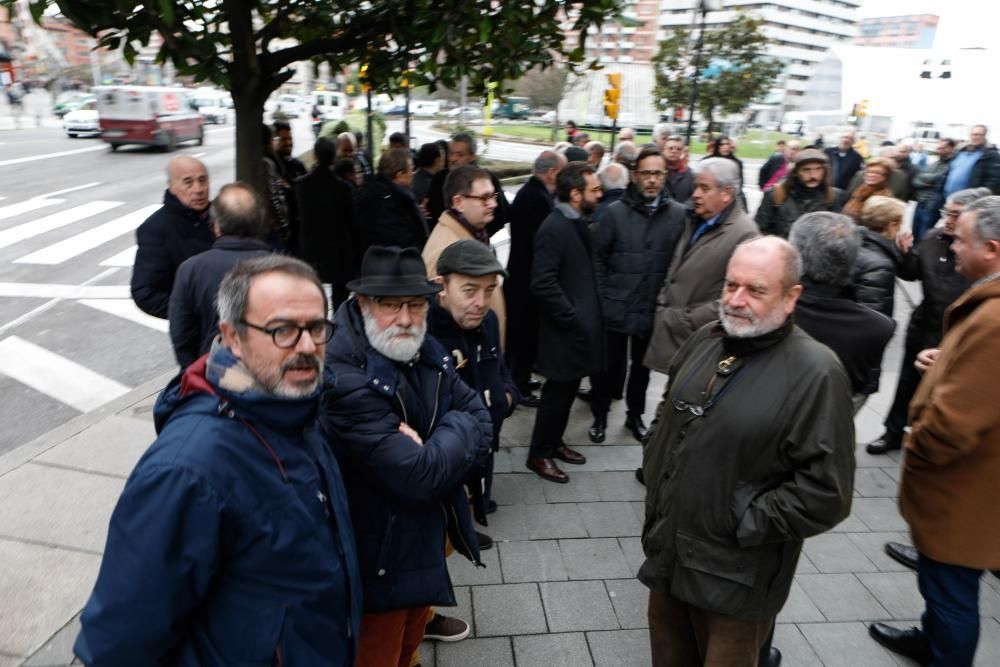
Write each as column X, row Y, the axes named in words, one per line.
column 805, row 189
column 462, row 321
column 407, row 432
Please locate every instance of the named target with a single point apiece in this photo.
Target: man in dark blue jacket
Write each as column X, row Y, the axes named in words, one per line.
column 237, row 220
column 180, row 229
column 407, row 432
column 231, row 543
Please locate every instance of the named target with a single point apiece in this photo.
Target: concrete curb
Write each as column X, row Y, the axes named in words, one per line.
column 25, row 453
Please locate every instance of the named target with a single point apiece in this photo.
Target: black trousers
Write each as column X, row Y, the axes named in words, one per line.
column 909, row 378
column 609, row 382
column 522, row 343
column 551, row 417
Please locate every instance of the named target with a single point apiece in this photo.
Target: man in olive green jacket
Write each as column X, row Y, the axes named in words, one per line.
column 752, row 452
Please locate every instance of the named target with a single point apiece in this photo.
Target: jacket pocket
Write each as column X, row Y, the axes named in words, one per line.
column 713, row 576
column 388, row 550
column 615, row 304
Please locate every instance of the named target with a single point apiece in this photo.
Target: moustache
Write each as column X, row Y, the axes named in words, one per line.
column 302, row 362
column 738, row 312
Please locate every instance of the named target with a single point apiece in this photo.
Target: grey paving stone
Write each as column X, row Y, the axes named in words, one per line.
column 485, row 652
column 988, row 651
column 428, row 654
column 463, row 608
column 111, row 446
column 502, row 462
column 851, row 524
column 59, row 649
column 465, row 573
column 841, row 597
column 41, row 590
column 873, row 546
column 805, row 566
column 577, row 605
column 513, row 489
column 556, row 650
column 845, row 645
column 795, row 650
column 58, row 506
column 536, row 522
column 896, row 591
column 620, row 648
column 989, row 600
column 509, row 609
column 14, row 660
column 874, row 483
column 582, row 487
column 532, row 560
column 895, row 474
column 610, row 520
column 600, row 558
column 799, row 608
column 836, row 552
column 630, row 600
column 879, row 514
column 632, row 548
column 599, row 458
column 619, row 486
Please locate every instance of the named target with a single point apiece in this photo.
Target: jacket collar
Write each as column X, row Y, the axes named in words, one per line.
column 970, row 300
column 239, row 243
column 568, row 211
column 171, row 202
column 741, row 347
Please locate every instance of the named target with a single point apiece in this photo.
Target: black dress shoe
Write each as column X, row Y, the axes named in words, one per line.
column 568, row 455
column 902, row 553
column 534, row 384
column 773, row 658
column 910, row 643
column 635, row 426
column 547, row 469
column 883, row 444
column 530, row 400
column 597, row 429
column 491, row 507
column 485, row 541
column 583, row 395
column 639, row 477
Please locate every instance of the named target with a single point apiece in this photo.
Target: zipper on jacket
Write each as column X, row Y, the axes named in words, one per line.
column 458, row 532
column 437, row 399
column 402, row 405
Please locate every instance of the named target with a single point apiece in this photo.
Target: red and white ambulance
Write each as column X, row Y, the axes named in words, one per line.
column 149, row 115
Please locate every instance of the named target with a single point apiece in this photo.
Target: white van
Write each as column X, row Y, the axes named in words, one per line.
column 330, row 104
column 425, row 108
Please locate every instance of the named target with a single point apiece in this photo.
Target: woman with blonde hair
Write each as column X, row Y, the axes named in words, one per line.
column 874, row 183
column 878, row 259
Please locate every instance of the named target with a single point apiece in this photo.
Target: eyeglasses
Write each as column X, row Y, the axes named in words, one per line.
column 694, row 408
column 287, row 336
column 486, row 198
column 651, row 173
column 945, row 213
column 416, row 307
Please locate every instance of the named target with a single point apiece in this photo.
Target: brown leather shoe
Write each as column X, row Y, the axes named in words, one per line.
column 547, row 469
column 566, row 454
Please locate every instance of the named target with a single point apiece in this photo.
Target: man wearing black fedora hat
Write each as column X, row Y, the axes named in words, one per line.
column 407, row 433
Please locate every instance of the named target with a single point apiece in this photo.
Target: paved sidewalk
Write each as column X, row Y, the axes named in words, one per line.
column 560, row 587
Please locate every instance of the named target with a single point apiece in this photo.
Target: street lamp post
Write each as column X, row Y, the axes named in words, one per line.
column 704, row 6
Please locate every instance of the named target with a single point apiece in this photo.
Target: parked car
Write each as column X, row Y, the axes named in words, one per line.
column 150, row 115
column 395, row 110
column 70, row 101
column 468, row 112
column 82, row 121
column 292, row 106
column 211, row 104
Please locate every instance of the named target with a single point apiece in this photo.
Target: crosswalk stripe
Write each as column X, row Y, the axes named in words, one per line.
column 126, row 309
column 125, row 258
column 56, row 376
column 54, row 221
column 26, row 206
column 57, row 253
column 57, row 291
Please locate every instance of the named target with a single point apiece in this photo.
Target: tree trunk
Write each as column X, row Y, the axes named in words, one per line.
column 249, row 148
column 247, row 83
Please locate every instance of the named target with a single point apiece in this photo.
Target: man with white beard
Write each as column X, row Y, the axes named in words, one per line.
column 752, row 451
column 407, row 433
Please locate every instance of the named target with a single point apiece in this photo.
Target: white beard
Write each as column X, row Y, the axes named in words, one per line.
column 387, row 344
column 758, row 326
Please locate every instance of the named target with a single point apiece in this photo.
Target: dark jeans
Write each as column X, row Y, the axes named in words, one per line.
column 909, row 378
column 608, row 382
column 551, row 417
column 951, row 618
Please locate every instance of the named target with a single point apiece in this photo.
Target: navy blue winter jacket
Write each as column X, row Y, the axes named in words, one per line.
column 404, row 497
column 231, row 543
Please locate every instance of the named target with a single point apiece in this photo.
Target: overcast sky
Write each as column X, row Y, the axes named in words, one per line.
column 963, row 22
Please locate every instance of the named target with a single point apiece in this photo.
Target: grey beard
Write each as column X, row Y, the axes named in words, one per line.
column 757, row 327
column 384, row 342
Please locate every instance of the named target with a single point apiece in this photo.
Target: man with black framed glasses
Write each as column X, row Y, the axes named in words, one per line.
column 232, row 541
column 407, row 432
column 752, row 451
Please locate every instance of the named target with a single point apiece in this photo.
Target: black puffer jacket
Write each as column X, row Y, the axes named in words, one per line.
column 403, row 496
column 875, row 272
column 389, row 215
column 933, row 264
column 165, row 239
column 633, row 246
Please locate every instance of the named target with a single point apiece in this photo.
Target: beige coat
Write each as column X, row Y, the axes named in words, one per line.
column 690, row 295
column 445, row 232
column 948, row 492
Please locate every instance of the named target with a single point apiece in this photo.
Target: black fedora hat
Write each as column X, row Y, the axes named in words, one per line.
column 393, row 271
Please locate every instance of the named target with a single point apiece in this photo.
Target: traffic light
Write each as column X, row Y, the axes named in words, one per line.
column 861, row 109
column 612, row 95
column 363, row 78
